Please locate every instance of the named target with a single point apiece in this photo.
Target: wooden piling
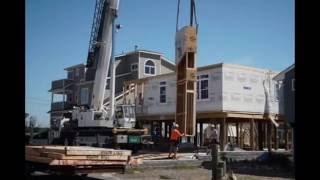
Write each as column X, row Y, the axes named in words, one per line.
column 222, row 133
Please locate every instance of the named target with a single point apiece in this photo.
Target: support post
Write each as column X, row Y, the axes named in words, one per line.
column 266, row 134
column 252, row 134
column 286, row 137
column 160, row 129
column 237, row 134
column 222, row 134
column 165, row 130
column 201, row 133
column 269, row 133
column 276, row 139
column 260, row 136
column 170, row 127
column 196, row 136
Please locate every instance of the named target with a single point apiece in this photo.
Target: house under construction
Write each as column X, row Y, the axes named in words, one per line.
column 231, row 96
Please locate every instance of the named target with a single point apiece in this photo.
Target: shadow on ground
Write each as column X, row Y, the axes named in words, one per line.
column 56, row 177
column 269, row 165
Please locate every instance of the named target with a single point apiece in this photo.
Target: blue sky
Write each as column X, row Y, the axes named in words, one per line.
column 258, row 33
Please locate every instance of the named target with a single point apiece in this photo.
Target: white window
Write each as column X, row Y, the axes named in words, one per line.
column 84, row 96
column 293, row 85
column 163, row 89
column 203, row 86
column 134, row 67
column 149, row 67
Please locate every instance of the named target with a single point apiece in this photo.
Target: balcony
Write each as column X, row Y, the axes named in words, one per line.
column 60, row 84
column 59, row 106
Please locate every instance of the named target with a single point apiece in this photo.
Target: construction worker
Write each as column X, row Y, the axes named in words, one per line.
column 174, row 140
column 211, row 135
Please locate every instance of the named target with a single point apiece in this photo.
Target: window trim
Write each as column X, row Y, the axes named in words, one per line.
column 154, row 66
column 133, row 65
column 200, row 78
column 163, row 84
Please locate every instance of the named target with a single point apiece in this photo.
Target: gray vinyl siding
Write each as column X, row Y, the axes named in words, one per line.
column 166, row 67
column 124, row 65
column 289, row 96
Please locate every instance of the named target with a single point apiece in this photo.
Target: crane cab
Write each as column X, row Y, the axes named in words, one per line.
column 125, row 116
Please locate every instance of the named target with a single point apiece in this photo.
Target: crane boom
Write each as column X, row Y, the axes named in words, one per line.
column 104, row 58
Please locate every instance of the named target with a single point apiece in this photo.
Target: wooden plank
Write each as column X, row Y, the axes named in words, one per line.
column 38, row 159
column 62, row 157
column 69, row 162
column 78, row 150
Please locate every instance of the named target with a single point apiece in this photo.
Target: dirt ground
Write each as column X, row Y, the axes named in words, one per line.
column 173, row 174
column 191, row 174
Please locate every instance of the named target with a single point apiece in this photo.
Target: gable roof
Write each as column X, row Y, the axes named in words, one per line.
column 280, row 75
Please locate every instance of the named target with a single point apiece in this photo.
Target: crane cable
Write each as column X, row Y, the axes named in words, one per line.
column 193, row 14
column 177, row 20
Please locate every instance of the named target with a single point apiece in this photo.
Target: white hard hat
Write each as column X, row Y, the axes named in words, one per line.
column 176, row 125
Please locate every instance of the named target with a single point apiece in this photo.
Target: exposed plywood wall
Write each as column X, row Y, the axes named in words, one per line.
column 224, row 93
column 243, row 90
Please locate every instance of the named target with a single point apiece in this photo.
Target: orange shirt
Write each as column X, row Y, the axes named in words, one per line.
column 175, row 134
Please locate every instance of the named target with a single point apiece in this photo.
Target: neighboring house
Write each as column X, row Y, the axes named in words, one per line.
column 286, row 83
column 76, row 89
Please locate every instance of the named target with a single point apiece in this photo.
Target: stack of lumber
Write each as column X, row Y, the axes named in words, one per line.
column 76, row 155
